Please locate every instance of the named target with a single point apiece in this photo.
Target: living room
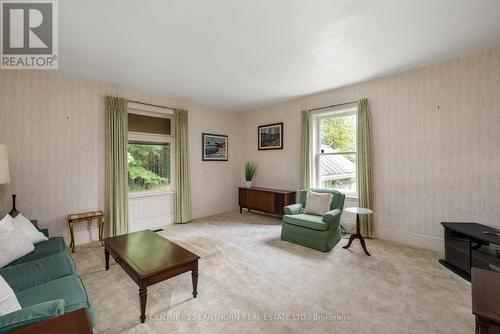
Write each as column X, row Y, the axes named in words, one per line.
column 269, row 166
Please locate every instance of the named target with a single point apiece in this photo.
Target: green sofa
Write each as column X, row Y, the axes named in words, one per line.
column 317, row 232
column 46, row 284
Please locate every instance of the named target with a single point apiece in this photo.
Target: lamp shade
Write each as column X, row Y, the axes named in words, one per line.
column 4, row 165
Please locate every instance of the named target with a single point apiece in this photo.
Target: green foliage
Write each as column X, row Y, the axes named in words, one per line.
column 250, row 169
column 339, row 133
column 148, row 166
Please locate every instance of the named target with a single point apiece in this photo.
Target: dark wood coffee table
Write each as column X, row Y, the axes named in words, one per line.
column 148, row 258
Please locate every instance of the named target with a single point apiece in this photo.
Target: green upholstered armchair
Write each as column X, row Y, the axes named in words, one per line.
column 317, row 232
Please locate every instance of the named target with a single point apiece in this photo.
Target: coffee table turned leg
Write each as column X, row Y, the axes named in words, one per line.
column 106, row 257
column 143, row 296
column 194, row 277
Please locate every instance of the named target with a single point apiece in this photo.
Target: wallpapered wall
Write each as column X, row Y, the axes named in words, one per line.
column 54, row 129
column 430, row 164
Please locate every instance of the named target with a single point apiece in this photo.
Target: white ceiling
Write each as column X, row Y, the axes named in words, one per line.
column 238, row 55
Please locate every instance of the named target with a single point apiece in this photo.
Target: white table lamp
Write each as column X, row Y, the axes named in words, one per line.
column 4, row 165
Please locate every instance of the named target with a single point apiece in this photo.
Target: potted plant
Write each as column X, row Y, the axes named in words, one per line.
column 250, row 168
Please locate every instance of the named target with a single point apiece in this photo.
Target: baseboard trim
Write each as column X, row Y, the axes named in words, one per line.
column 91, row 234
column 410, row 238
column 214, row 210
column 150, row 223
column 85, row 236
column 82, row 237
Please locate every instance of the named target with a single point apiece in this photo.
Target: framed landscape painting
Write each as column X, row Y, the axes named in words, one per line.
column 271, row 136
column 214, row 147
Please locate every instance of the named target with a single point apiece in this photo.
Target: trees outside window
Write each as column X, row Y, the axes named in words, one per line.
column 148, row 167
column 339, row 133
column 335, row 151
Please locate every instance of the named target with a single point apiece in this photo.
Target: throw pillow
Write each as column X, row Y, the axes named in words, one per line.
column 318, row 203
column 14, row 244
column 29, row 229
column 8, row 300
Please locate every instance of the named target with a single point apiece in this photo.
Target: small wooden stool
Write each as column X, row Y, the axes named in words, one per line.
column 86, row 216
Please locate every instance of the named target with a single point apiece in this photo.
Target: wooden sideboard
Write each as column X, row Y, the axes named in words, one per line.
column 270, row 201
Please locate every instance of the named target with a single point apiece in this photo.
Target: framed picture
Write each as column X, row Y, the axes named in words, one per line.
column 270, row 136
column 214, row 147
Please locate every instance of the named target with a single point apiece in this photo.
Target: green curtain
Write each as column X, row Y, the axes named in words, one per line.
column 182, row 185
column 305, row 161
column 364, row 172
column 116, row 169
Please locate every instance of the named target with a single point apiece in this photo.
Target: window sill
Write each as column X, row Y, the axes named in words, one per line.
column 149, row 194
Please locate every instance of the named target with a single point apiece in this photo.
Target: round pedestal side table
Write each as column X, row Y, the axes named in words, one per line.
column 357, row 235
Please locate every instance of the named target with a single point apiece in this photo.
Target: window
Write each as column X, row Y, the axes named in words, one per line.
column 334, row 163
column 148, row 166
column 150, row 152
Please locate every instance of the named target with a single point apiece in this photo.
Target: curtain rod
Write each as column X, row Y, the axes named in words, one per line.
column 333, row 105
column 314, row 109
column 151, row 105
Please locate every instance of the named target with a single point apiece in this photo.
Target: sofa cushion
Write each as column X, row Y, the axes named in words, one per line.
column 26, row 275
column 70, row 288
column 306, row 220
column 42, row 249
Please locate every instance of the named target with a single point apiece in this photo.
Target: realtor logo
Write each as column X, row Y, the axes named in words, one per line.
column 29, row 34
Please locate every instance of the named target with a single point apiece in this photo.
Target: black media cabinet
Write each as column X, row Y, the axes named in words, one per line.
column 466, row 246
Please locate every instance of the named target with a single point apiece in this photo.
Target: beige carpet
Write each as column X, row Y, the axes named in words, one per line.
column 272, row 286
